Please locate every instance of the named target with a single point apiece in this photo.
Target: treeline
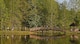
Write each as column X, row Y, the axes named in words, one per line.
column 20, row 14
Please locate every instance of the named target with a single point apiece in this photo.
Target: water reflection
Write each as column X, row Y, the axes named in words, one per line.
column 39, row 39
column 74, row 39
column 45, row 37
column 24, row 39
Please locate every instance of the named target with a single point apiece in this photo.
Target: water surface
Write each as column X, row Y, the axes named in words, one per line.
column 39, row 39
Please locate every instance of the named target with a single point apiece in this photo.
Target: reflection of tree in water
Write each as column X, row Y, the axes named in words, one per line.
column 25, row 39
column 74, row 39
column 0, row 38
column 43, row 41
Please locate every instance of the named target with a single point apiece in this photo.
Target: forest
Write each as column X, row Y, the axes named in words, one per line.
column 21, row 14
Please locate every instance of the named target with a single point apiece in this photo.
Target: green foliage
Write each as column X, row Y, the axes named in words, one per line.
column 36, row 13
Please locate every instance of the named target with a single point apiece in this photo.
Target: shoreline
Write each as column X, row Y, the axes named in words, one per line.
column 29, row 32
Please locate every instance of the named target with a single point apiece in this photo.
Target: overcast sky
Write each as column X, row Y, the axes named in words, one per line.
column 60, row 1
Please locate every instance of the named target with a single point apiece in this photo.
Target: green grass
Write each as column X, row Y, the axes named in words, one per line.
column 15, row 32
column 38, row 33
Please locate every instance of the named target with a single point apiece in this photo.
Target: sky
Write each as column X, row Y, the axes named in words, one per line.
column 60, row 1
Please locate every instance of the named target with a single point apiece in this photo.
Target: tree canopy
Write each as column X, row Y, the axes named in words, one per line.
column 37, row 13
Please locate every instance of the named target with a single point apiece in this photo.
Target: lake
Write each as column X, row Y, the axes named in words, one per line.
column 39, row 39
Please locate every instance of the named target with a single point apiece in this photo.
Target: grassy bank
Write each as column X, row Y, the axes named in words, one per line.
column 37, row 32
column 16, row 32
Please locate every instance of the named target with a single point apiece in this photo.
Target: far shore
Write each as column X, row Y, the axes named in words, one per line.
column 34, row 32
